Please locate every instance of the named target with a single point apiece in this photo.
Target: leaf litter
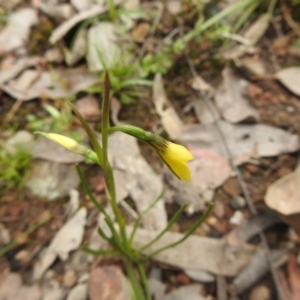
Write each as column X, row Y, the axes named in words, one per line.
column 245, row 141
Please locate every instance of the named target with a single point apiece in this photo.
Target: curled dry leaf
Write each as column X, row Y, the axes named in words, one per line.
column 64, row 28
column 290, row 78
column 18, row 66
column 231, row 99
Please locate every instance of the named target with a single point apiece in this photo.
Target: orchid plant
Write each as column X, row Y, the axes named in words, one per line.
column 173, row 155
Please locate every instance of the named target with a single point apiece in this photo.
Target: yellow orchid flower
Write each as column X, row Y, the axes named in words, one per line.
column 175, row 157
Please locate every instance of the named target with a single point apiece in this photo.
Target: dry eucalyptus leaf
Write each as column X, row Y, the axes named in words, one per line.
column 169, row 118
column 17, row 68
column 16, row 32
column 283, row 195
column 55, row 84
column 198, row 253
column 68, row 238
column 66, row 26
column 290, row 78
column 231, row 98
column 243, row 140
column 103, row 50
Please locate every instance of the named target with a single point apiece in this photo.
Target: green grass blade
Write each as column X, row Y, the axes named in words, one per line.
column 170, row 223
column 190, row 231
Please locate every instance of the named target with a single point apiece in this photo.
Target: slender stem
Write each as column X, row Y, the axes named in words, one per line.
column 144, row 280
column 137, row 289
column 109, row 176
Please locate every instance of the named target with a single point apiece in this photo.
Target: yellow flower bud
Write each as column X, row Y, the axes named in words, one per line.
column 65, row 141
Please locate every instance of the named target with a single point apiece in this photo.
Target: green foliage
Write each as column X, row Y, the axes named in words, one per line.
column 13, row 168
column 57, row 121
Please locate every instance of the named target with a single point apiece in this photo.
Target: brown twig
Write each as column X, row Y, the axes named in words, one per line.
column 13, row 111
column 239, row 176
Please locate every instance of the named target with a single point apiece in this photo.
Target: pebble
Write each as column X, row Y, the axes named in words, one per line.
column 108, row 282
column 238, row 202
column 79, row 292
column 231, row 187
column 260, row 292
column 22, row 256
column 236, row 218
column 69, row 279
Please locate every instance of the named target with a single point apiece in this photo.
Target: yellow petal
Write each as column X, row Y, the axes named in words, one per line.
column 175, row 157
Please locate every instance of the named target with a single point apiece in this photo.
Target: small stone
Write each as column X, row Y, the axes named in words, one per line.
column 79, row 292
column 108, row 283
column 183, row 278
column 141, row 31
column 200, row 275
column 52, row 180
column 238, row 202
column 22, row 256
column 236, row 218
column 54, row 55
column 260, row 292
column 70, row 278
column 253, row 169
column 89, row 108
column 231, row 187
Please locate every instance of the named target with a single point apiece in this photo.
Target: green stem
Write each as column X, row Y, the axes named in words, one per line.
column 144, row 280
column 136, row 286
column 109, row 176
